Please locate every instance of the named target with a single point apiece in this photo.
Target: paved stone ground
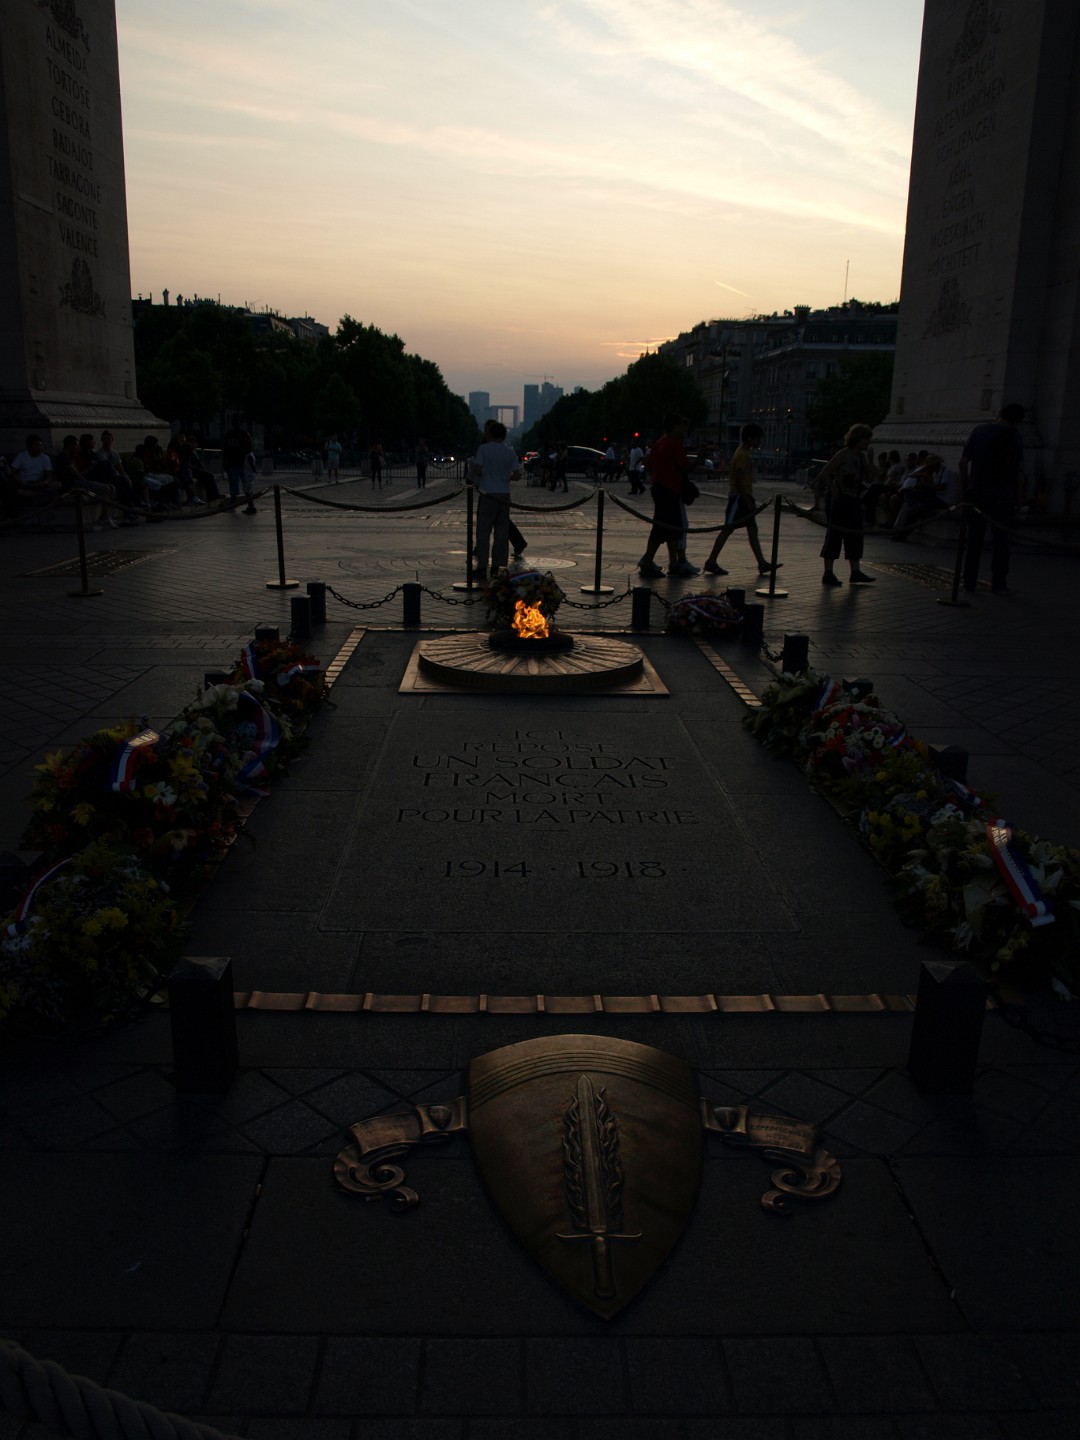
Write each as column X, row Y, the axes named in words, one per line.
column 192, row 1251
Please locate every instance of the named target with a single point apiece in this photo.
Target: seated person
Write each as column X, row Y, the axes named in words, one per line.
column 161, row 487
column 34, row 481
column 109, row 470
column 86, row 462
column 922, row 496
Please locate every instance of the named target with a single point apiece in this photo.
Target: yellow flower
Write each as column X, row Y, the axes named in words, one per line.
column 52, row 763
column 108, row 919
column 82, row 813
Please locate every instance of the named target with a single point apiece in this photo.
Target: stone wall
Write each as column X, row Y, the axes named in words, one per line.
column 990, row 301
column 65, row 289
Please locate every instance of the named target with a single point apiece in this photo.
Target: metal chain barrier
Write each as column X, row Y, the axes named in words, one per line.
column 691, row 529
column 452, row 599
column 372, row 509
column 598, row 604
column 364, row 604
column 554, row 509
column 73, row 1405
column 960, row 509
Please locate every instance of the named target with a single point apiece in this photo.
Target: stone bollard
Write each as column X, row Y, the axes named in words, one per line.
column 216, row 677
column 300, row 617
column 410, row 604
column 949, row 1011
column 951, row 761
column 267, row 633
column 752, row 630
column 796, row 656
column 316, row 590
column 202, row 1018
column 737, row 597
column 861, row 686
column 640, row 602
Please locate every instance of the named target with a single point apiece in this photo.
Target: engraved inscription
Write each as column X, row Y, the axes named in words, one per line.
column 543, row 779
column 78, row 196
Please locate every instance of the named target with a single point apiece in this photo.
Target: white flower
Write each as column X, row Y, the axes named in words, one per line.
column 1060, row 988
column 226, row 695
column 162, row 792
column 963, row 935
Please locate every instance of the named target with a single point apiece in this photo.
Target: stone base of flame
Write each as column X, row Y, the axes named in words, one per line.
column 473, row 662
column 531, row 645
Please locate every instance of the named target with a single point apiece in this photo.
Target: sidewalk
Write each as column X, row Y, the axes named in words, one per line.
column 193, row 1252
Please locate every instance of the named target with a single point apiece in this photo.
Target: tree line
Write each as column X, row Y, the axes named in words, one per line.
column 201, row 365
column 631, row 404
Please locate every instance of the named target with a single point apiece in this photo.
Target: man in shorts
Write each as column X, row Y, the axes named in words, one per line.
column 741, row 510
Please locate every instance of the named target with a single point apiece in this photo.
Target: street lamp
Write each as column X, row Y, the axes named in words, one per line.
column 788, row 417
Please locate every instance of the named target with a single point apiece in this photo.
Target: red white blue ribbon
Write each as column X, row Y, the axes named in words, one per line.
column 267, row 737
column 284, row 676
column 126, row 760
column 20, row 921
column 829, row 691
column 1014, row 871
column 968, row 796
column 249, row 662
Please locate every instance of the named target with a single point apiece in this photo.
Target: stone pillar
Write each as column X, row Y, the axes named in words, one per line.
column 990, row 295
column 67, row 363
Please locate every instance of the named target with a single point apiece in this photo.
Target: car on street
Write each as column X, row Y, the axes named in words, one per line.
column 580, row 460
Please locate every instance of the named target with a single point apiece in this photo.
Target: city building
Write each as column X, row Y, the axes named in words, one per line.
column 538, row 401
column 480, row 405
column 767, row 369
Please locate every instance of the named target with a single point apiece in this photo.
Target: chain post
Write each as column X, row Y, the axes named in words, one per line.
column 410, row 604
column 84, row 571
column 953, row 600
column 280, row 583
column 770, row 591
column 596, row 588
column 316, row 590
column 641, row 600
column 469, row 583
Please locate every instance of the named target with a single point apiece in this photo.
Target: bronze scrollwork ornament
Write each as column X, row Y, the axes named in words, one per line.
column 584, row 1138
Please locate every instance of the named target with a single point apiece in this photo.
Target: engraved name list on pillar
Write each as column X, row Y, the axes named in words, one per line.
column 76, row 191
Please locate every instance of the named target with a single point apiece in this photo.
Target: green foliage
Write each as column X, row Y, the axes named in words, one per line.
column 202, row 364
column 634, row 402
column 858, row 395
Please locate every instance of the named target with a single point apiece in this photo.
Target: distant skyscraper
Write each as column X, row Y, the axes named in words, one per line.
column 548, row 395
column 532, row 405
column 480, row 405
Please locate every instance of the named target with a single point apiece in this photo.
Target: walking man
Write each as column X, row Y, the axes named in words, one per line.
column 992, row 478
column 740, row 506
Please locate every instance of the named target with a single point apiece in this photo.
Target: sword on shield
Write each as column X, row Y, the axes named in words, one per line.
column 594, row 1179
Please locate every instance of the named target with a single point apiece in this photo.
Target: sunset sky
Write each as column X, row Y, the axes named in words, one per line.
column 519, row 188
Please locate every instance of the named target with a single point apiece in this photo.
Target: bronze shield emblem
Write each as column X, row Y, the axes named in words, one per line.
column 591, row 1149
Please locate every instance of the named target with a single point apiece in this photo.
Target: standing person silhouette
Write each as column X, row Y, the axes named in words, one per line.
column 668, row 464
column 493, row 468
column 992, row 477
column 847, row 476
column 740, row 506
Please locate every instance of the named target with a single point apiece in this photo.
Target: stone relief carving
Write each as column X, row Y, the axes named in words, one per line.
column 79, row 292
column 951, row 313
column 979, row 25
column 64, row 13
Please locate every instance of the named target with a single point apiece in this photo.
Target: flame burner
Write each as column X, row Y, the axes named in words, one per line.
column 530, row 633
column 549, row 644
